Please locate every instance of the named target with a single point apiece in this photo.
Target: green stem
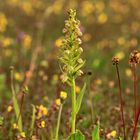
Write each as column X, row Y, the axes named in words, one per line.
column 21, row 106
column 73, row 105
column 15, row 102
column 58, row 122
column 12, row 81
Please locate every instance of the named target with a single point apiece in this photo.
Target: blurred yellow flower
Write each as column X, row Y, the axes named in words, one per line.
column 27, row 7
column 57, row 6
column 87, row 37
column 99, row 6
column 77, row 88
column 98, row 81
column 120, row 55
column 15, row 126
column 112, row 134
column 58, row 42
column 3, row 22
column 87, row 8
column 102, row 18
column 58, row 102
column 43, row 124
column 7, row 41
column 134, row 42
column 23, row 135
column 54, row 79
column 63, row 94
column 44, row 63
column 121, row 40
column 27, row 40
column 18, row 76
column 41, row 111
column 128, row 72
column 10, row 108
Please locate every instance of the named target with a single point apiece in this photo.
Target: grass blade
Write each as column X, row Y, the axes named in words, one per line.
column 96, row 133
column 79, row 98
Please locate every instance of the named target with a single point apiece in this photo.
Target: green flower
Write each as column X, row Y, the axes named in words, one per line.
column 70, row 59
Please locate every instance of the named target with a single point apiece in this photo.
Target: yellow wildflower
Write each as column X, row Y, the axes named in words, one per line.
column 18, row 76
column 55, row 77
column 27, row 41
column 134, row 42
column 27, row 7
column 87, row 8
column 10, row 108
column 44, row 63
column 128, row 72
column 3, row 22
column 58, row 42
column 121, row 41
column 77, row 88
column 100, row 6
column 102, row 18
column 58, row 102
column 63, row 94
column 57, row 7
column 112, row 134
column 41, row 111
column 23, row 135
column 43, row 124
column 15, row 126
column 120, row 55
column 6, row 41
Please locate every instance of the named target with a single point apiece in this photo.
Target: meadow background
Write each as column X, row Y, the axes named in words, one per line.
column 30, row 37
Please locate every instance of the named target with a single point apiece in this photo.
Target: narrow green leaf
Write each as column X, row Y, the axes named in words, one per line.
column 79, row 98
column 96, row 133
column 139, row 136
column 33, row 120
column 76, row 136
column 17, row 111
column 15, row 102
column 1, row 120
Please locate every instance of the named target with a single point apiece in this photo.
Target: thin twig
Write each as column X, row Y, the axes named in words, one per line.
column 136, row 122
column 135, row 102
column 121, row 101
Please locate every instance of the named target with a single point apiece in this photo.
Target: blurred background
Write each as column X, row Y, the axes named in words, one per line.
column 30, row 37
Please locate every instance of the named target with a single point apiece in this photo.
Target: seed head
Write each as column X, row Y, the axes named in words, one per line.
column 115, row 60
column 134, row 57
